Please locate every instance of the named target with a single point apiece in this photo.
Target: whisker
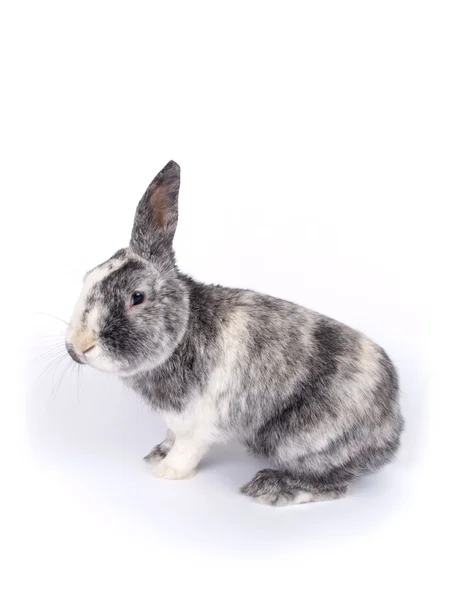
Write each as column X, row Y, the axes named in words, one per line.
column 44, row 349
column 61, row 379
column 53, row 317
column 53, row 365
column 80, row 371
column 54, row 346
column 57, row 363
column 61, row 361
column 50, row 344
column 78, row 383
column 50, row 353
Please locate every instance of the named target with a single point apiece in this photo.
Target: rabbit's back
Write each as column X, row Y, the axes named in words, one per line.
column 278, row 348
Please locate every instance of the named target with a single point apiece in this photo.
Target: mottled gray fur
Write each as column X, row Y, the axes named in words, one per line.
column 314, row 397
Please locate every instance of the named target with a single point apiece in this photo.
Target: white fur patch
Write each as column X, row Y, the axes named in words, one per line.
column 166, row 470
column 220, row 386
column 79, row 332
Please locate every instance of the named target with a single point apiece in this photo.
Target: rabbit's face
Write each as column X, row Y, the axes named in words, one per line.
column 133, row 308
column 129, row 317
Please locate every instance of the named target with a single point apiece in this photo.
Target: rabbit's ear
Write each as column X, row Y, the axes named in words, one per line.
column 156, row 217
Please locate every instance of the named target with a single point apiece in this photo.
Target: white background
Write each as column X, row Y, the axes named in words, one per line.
column 313, row 139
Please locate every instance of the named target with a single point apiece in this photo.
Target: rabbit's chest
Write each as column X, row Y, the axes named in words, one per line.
column 169, row 390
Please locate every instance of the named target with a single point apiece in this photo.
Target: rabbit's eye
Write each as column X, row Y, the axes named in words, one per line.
column 137, row 298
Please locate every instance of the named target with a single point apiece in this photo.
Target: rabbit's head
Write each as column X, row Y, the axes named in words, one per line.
column 133, row 308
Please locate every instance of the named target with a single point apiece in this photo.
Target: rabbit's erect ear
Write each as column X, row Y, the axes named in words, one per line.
column 156, row 217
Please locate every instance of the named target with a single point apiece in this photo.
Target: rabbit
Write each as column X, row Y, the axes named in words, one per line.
column 317, row 399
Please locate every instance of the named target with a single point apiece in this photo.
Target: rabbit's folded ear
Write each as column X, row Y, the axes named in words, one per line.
column 156, row 217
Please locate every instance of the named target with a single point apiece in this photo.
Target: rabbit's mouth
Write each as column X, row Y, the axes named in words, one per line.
column 86, row 352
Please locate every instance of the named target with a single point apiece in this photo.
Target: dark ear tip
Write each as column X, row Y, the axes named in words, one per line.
column 172, row 168
column 169, row 174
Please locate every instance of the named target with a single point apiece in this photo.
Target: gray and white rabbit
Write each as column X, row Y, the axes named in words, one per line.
column 315, row 398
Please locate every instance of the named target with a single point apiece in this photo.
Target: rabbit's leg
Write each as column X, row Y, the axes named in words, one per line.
column 279, row 488
column 182, row 459
column 161, row 450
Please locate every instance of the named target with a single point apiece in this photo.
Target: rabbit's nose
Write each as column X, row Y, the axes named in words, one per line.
column 83, row 341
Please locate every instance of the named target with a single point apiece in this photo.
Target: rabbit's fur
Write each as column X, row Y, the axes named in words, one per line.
column 316, row 398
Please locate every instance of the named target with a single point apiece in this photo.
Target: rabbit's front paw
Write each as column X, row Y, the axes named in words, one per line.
column 167, row 471
column 157, row 454
column 161, row 450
